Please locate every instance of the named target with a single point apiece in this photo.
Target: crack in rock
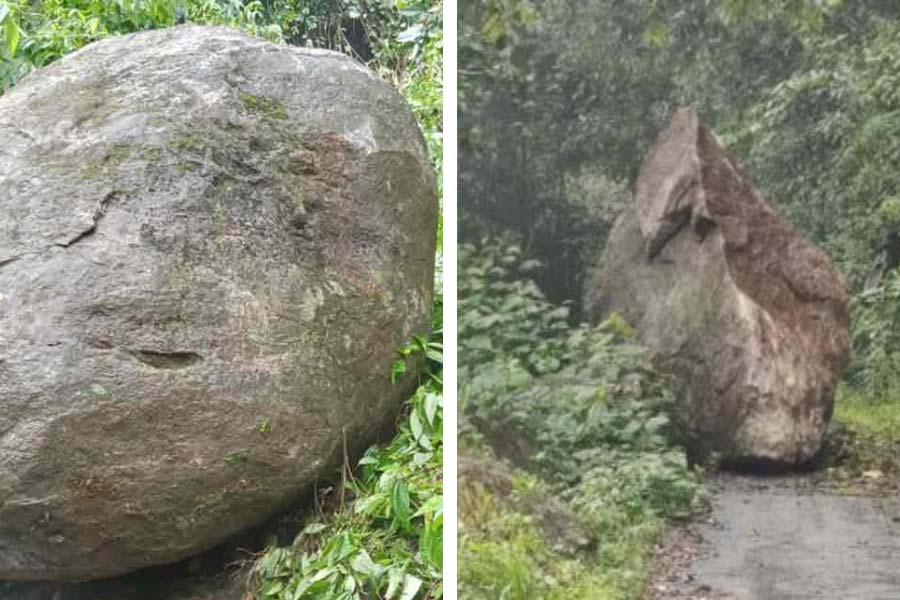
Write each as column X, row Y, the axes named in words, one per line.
column 99, row 213
column 9, row 260
column 166, row 360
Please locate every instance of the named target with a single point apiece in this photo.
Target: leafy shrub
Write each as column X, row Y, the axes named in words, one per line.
column 579, row 408
column 502, row 313
column 567, row 387
column 876, row 338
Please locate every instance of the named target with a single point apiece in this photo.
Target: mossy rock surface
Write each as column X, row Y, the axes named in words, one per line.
column 200, row 231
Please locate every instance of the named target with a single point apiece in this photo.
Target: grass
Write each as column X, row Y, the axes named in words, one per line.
column 506, row 553
column 514, row 546
column 863, row 451
column 878, row 417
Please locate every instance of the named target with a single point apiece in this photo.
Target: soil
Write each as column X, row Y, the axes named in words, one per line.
column 786, row 537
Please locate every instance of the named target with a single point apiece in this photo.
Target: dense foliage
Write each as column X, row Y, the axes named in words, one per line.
column 384, row 539
column 558, row 100
column 578, row 422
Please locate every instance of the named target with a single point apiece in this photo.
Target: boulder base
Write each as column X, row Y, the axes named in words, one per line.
column 210, row 248
column 749, row 316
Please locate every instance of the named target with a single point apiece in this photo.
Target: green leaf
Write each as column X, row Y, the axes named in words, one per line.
column 322, row 574
column 411, row 587
column 314, row 528
column 435, row 352
column 432, row 401
column 400, row 504
column 415, row 425
column 339, row 548
column 273, row 588
column 315, row 586
column 431, row 542
column 411, row 34
column 363, row 563
column 395, row 580
column 433, row 505
column 397, row 369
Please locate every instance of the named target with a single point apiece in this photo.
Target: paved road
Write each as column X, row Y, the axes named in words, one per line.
column 785, row 539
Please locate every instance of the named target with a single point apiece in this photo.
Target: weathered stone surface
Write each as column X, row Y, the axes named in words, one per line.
column 210, row 248
column 750, row 316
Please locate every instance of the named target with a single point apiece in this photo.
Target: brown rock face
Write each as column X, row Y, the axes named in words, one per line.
column 748, row 315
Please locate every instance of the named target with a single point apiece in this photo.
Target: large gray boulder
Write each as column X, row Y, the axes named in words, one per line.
column 748, row 315
column 210, row 249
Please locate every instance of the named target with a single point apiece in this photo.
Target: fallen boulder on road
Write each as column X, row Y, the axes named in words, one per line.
column 749, row 316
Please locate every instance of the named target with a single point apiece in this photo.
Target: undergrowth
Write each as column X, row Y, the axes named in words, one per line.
column 878, row 416
column 568, row 469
